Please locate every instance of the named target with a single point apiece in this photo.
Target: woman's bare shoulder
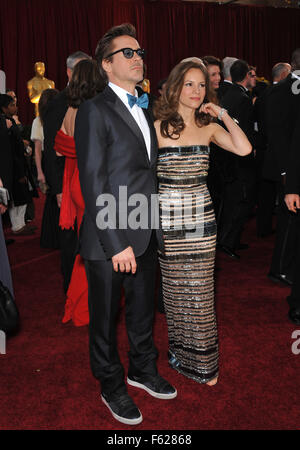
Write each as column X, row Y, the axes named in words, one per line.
column 212, row 127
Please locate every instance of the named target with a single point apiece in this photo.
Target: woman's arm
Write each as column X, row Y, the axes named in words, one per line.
column 38, row 160
column 233, row 140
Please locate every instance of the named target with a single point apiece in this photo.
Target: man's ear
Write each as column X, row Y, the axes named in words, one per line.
column 69, row 73
column 106, row 65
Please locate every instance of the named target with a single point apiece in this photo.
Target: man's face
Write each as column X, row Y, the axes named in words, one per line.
column 251, row 83
column 12, row 94
column 285, row 73
column 214, row 76
column 122, row 71
column 161, row 91
column 11, row 110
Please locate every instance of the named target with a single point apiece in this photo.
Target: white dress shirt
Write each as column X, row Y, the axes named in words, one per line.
column 136, row 112
column 37, row 133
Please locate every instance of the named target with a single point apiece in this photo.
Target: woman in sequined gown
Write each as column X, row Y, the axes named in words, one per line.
column 185, row 126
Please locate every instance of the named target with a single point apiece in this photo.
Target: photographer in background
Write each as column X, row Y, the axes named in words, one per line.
column 23, row 187
column 5, row 273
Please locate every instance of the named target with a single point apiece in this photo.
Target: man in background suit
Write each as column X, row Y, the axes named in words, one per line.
column 117, row 149
column 54, row 170
column 282, row 109
column 292, row 200
column 239, row 193
column 227, row 80
column 267, row 183
column 220, row 170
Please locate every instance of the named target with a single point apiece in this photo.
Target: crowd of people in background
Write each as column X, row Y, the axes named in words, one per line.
column 262, row 183
column 240, row 187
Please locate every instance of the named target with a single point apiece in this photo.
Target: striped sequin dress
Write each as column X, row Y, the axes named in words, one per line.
column 187, row 266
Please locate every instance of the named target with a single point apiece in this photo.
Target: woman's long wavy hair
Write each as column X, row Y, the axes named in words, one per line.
column 86, row 82
column 166, row 107
column 46, row 96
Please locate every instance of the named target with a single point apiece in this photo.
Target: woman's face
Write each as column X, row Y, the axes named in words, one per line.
column 214, row 76
column 193, row 90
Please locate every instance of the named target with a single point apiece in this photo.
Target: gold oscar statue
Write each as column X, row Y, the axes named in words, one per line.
column 146, row 85
column 38, row 84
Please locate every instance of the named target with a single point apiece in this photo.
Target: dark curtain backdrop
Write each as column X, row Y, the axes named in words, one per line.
column 49, row 30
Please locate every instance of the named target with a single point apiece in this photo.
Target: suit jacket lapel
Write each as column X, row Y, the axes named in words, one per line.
column 125, row 115
column 153, row 138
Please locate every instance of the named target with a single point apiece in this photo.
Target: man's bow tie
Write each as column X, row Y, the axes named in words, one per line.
column 142, row 101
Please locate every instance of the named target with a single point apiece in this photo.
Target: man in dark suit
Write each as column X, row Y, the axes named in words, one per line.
column 282, row 109
column 117, row 151
column 292, row 200
column 239, row 193
column 54, row 170
column 23, row 188
column 220, row 172
column 6, row 154
column 227, row 81
column 267, row 183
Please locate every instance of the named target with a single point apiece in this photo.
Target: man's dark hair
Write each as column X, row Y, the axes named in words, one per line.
column 105, row 45
column 295, row 62
column 86, row 82
column 5, row 101
column 239, row 70
column 212, row 61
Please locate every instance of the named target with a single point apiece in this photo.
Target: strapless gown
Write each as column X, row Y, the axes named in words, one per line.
column 72, row 207
column 187, row 265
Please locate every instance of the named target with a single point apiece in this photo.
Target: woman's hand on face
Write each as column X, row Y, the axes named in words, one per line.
column 211, row 109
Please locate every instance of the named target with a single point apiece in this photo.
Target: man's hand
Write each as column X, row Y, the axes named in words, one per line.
column 41, row 177
column 292, row 202
column 16, row 119
column 125, row 261
column 59, row 199
column 28, row 151
column 2, row 208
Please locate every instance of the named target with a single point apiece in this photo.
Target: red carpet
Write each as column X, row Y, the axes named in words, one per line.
column 46, row 382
